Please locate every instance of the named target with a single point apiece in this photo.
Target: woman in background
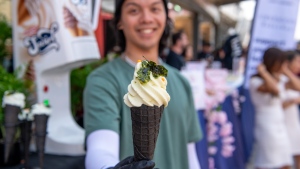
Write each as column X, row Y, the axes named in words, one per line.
column 272, row 143
column 290, row 105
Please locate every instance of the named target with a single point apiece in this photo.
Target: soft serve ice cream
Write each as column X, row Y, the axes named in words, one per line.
column 148, row 86
column 41, row 109
column 26, row 115
column 14, row 99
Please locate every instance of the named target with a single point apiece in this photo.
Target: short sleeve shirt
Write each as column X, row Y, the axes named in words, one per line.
column 105, row 109
column 260, row 99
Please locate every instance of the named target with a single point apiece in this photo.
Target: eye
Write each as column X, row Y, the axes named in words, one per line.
column 156, row 9
column 133, row 11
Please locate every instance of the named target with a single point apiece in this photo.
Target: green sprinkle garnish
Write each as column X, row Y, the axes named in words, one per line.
column 143, row 75
column 149, row 66
column 46, row 103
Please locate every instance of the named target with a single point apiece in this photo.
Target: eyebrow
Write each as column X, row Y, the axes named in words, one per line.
column 135, row 4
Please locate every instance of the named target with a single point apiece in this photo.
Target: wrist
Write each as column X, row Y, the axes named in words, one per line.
column 263, row 72
column 294, row 101
column 288, row 73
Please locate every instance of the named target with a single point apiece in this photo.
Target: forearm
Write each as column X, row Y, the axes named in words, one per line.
column 193, row 158
column 294, row 81
column 269, row 81
column 287, row 104
column 102, row 149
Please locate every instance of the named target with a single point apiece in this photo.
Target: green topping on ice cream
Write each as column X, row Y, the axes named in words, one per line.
column 147, row 67
column 148, row 86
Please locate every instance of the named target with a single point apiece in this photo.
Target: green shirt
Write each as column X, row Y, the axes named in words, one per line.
column 105, row 109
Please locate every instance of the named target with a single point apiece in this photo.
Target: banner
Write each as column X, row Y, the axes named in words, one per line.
column 51, row 38
column 273, row 26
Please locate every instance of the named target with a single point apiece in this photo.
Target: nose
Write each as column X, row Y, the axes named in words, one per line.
column 146, row 17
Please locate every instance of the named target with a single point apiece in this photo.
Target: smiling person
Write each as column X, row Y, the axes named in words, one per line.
column 142, row 28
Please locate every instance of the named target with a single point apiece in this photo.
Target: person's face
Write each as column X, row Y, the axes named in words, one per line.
column 189, row 53
column 207, row 49
column 184, row 40
column 294, row 65
column 143, row 22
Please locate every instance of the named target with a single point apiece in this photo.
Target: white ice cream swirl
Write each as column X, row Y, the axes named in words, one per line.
column 26, row 115
column 14, row 99
column 39, row 109
column 152, row 93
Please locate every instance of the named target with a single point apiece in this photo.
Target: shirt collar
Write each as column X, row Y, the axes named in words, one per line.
column 132, row 63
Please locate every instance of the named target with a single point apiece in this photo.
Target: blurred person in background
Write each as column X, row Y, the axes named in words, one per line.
column 188, row 53
column 179, row 43
column 298, row 47
column 206, row 52
column 290, row 105
column 272, row 145
column 232, row 49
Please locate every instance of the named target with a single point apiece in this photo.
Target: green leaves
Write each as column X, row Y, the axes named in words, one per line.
column 149, row 66
column 9, row 82
column 78, row 82
column 5, row 34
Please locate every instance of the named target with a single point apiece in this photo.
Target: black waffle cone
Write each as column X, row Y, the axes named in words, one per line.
column 40, row 136
column 145, row 129
column 10, row 123
column 26, row 132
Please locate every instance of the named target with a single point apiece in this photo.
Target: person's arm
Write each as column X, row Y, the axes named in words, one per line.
column 102, row 125
column 193, row 158
column 270, row 84
column 294, row 81
column 289, row 103
column 102, row 149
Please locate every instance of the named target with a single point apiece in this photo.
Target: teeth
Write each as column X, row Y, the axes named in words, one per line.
column 147, row 31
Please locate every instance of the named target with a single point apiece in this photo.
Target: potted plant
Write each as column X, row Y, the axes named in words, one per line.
column 78, row 80
column 9, row 82
column 5, row 38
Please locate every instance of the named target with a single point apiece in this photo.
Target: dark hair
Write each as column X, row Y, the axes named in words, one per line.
column 176, row 36
column 206, row 43
column 121, row 37
column 271, row 57
column 291, row 55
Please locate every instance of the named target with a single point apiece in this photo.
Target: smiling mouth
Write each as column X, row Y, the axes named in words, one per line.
column 146, row 31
